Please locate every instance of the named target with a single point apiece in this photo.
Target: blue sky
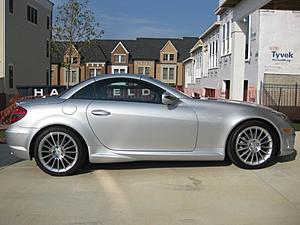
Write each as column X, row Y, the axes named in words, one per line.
column 128, row 19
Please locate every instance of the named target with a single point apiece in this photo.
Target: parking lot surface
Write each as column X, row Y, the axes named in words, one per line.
column 150, row 193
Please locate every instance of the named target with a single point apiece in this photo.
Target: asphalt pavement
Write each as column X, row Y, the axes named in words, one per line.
column 150, row 193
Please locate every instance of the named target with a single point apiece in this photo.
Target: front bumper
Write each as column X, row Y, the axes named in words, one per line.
column 287, row 145
column 18, row 139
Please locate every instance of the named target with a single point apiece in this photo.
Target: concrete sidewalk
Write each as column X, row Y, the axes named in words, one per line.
column 152, row 193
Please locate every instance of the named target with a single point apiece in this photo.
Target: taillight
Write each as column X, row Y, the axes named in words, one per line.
column 18, row 114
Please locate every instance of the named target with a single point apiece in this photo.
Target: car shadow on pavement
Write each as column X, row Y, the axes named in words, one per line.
column 6, row 158
column 89, row 167
column 8, row 161
column 287, row 158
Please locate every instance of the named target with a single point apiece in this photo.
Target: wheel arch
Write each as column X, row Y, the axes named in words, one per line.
column 55, row 125
column 276, row 131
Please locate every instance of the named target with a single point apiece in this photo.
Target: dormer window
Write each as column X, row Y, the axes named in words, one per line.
column 119, row 58
column 168, row 57
column 72, row 60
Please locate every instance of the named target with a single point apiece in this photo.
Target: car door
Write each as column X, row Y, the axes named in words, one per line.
column 128, row 115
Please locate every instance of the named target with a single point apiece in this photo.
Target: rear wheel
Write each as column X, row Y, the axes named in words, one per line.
column 253, row 145
column 59, row 151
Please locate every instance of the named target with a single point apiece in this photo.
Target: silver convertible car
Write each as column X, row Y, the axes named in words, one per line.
column 121, row 118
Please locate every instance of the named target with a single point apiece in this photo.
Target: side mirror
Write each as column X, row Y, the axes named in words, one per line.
column 168, row 99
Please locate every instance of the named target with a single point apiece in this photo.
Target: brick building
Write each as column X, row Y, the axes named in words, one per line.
column 157, row 57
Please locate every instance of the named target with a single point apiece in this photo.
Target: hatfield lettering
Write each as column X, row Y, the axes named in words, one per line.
column 282, row 56
column 39, row 92
column 130, row 92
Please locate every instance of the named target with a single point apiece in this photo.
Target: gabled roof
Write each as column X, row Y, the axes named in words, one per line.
column 120, row 43
column 198, row 45
column 139, row 49
column 210, row 29
column 92, row 53
column 149, row 48
column 169, row 42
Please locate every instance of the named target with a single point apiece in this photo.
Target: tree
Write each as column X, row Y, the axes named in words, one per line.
column 75, row 24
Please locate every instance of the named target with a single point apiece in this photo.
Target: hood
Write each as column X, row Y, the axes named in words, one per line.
column 236, row 102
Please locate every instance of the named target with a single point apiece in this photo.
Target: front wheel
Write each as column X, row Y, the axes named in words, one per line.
column 253, row 145
column 58, row 151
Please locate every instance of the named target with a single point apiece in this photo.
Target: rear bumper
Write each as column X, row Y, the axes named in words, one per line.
column 18, row 139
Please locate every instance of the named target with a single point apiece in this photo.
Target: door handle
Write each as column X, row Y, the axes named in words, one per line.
column 99, row 112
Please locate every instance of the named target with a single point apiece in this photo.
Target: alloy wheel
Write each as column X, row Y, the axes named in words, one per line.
column 58, row 152
column 254, row 145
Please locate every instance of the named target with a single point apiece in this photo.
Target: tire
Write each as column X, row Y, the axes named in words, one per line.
column 59, row 151
column 253, row 145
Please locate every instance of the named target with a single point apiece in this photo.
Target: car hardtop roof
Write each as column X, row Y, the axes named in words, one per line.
column 158, row 83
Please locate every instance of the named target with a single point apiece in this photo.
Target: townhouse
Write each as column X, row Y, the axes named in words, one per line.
column 157, row 57
column 271, row 54
column 25, row 33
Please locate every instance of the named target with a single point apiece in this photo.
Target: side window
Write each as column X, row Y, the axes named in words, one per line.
column 87, row 92
column 131, row 90
column 11, row 76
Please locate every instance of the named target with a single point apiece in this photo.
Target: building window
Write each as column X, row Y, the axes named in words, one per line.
column 213, row 55
column 73, row 77
column 169, row 75
column 32, row 14
column 11, row 6
column 98, row 72
column 119, row 58
column 226, row 38
column 48, row 22
column 11, row 76
column 92, row 72
column 168, row 57
column 72, row 60
column 198, row 61
column 47, row 49
column 248, row 37
column 216, row 54
column 95, row 72
column 48, row 77
column 144, row 70
column 119, row 71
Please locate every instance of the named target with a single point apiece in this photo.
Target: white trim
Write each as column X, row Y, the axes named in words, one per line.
column 120, row 43
column 198, row 45
column 188, row 59
column 169, row 81
column 210, row 29
column 95, row 71
column 169, row 56
column 119, row 61
column 169, row 41
column 119, row 68
column 98, row 64
column 76, row 51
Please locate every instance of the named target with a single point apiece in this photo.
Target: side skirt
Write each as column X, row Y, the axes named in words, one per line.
column 101, row 155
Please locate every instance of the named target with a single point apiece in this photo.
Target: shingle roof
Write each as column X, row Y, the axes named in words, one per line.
column 139, row 49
